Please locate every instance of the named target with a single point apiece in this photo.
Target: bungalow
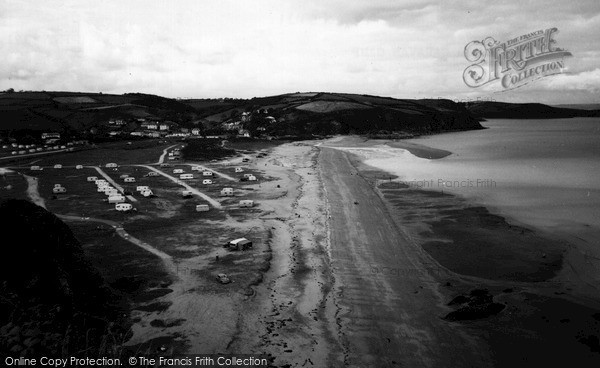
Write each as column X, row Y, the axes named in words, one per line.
column 129, row 180
column 202, row 207
column 123, row 207
column 239, row 244
column 186, row 176
column 246, row 203
column 227, row 192
column 207, row 181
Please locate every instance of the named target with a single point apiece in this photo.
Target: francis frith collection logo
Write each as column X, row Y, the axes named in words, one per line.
column 515, row 62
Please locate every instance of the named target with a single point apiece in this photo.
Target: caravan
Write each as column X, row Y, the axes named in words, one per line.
column 178, row 171
column 116, row 199
column 246, row 203
column 227, row 192
column 206, row 181
column 186, row 176
column 202, row 208
column 207, row 173
column 123, row 207
column 57, row 190
column 129, row 180
column 239, row 170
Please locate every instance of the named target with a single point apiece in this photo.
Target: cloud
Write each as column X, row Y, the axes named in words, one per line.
column 585, row 81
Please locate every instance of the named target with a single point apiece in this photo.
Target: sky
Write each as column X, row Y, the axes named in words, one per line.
column 243, row 48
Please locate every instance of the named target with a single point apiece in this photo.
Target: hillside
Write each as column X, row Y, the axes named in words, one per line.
column 53, row 302
column 75, row 112
column 503, row 110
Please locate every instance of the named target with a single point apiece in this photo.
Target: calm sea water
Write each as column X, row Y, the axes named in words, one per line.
column 544, row 173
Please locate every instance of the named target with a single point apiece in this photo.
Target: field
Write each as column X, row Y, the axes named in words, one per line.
column 189, row 243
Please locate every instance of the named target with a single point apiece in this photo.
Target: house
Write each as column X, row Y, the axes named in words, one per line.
column 186, row 176
column 92, row 178
column 79, row 167
column 116, row 199
column 207, row 173
column 58, row 166
column 129, row 180
column 111, row 164
column 186, row 193
column 178, row 171
column 202, row 208
column 239, row 170
column 123, row 207
column 246, row 203
column 227, row 192
column 57, row 190
column 206, row 181
column 239, row 244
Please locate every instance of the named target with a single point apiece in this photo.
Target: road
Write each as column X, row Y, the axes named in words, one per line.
column 387, row 318
column 161, row 159
column 195, row 191
column 204, row 168
column 114, row 183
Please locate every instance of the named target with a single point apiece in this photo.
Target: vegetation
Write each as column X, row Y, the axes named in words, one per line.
column 205, row 149
column 52, row 301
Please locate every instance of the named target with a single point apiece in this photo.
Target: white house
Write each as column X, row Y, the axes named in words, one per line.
column 178, row 171
column 207, row 173
column 228, row 192
column 59, row 190
column 246, row 203
column 111, row 164
column 79, row 167
column 186, row 176
column 239, row 170
column 206, row 181
column 116, row 199
column 129, row 180
column 123, row 207
column 202, row 207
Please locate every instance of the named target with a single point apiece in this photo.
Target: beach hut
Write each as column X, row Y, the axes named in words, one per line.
column 186, row 176
column 202, row 208
column 206, row 181
column 246, row 203
column 92, row 178
column 227, row 192
column 123, row 207
column 239, row 170
column 129, row 180
column 239, row 244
